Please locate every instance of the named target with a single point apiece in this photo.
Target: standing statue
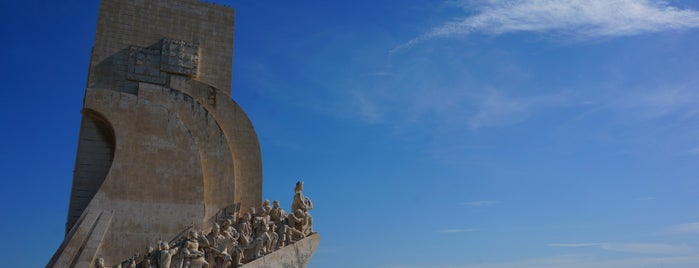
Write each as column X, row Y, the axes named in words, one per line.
column 300, row 201
column 235, row 251
column 165, row 255
column 251, row 247
column 277, row 214
column 212, row 237
column 278, row 217
column 193, row 257
column 299, row 217
column 219, row 243
column 266, row 208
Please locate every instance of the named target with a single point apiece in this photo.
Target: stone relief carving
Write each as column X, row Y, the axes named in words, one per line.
column 180, row 57
column 151, row 64
column 232, row 240
column 144, row 65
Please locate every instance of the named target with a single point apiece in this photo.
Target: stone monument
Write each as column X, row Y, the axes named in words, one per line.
column 164, row 152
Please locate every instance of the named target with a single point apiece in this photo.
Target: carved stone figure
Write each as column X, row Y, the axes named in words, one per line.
column 234, row 249
column 245, row 230
column 212, row 238
column 250, row 246
column 300, row 201
column 165, row 255
column 258, row 233
column 266, row 208
column 294, row 235
column 274, row 236
column 99, row 263
column 302, row 221
column 148, row 260
column 264, row 237
column 193, row 257
column 278, row 218
column 227, row 225
column 130, row 263
column 277, row 214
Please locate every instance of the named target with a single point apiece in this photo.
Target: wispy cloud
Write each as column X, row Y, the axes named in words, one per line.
column 495, row 108
column 643, row 248
column 367, row 109
column 676, row 101
column 452, row 231
column 580, row 19
column 648, row 198
column 487, row 108
column 578, row 261
column 573, row 245
column 685, row 228
column 473, row 108
column 480, row 203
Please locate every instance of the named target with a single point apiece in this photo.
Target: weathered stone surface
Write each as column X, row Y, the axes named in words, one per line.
column 296, row 255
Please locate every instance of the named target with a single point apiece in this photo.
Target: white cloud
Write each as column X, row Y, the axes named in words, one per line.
column 685, row 228
column 642, row 248
column 480, row 203
column 452, row 231
column 580, row 19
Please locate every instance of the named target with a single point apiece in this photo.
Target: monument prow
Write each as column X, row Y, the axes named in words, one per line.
column 296, row 255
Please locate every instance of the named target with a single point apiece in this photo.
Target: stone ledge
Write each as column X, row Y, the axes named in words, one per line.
column 296, row 255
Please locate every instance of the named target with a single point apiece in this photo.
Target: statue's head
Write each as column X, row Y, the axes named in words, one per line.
column 193, row 234
column 216, row 229
column 299, row 186
column 265, row 203
column 149, row 250
column 164, row 245
column 275, row 203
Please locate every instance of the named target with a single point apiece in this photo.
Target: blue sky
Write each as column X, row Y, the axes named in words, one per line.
column 460, row 134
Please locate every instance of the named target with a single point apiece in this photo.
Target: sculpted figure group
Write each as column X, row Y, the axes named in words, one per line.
column 233, row 240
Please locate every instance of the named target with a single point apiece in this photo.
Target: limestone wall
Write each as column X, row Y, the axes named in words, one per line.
column 122, row 24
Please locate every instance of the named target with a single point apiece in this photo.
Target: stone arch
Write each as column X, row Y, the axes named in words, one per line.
column 96, row 144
